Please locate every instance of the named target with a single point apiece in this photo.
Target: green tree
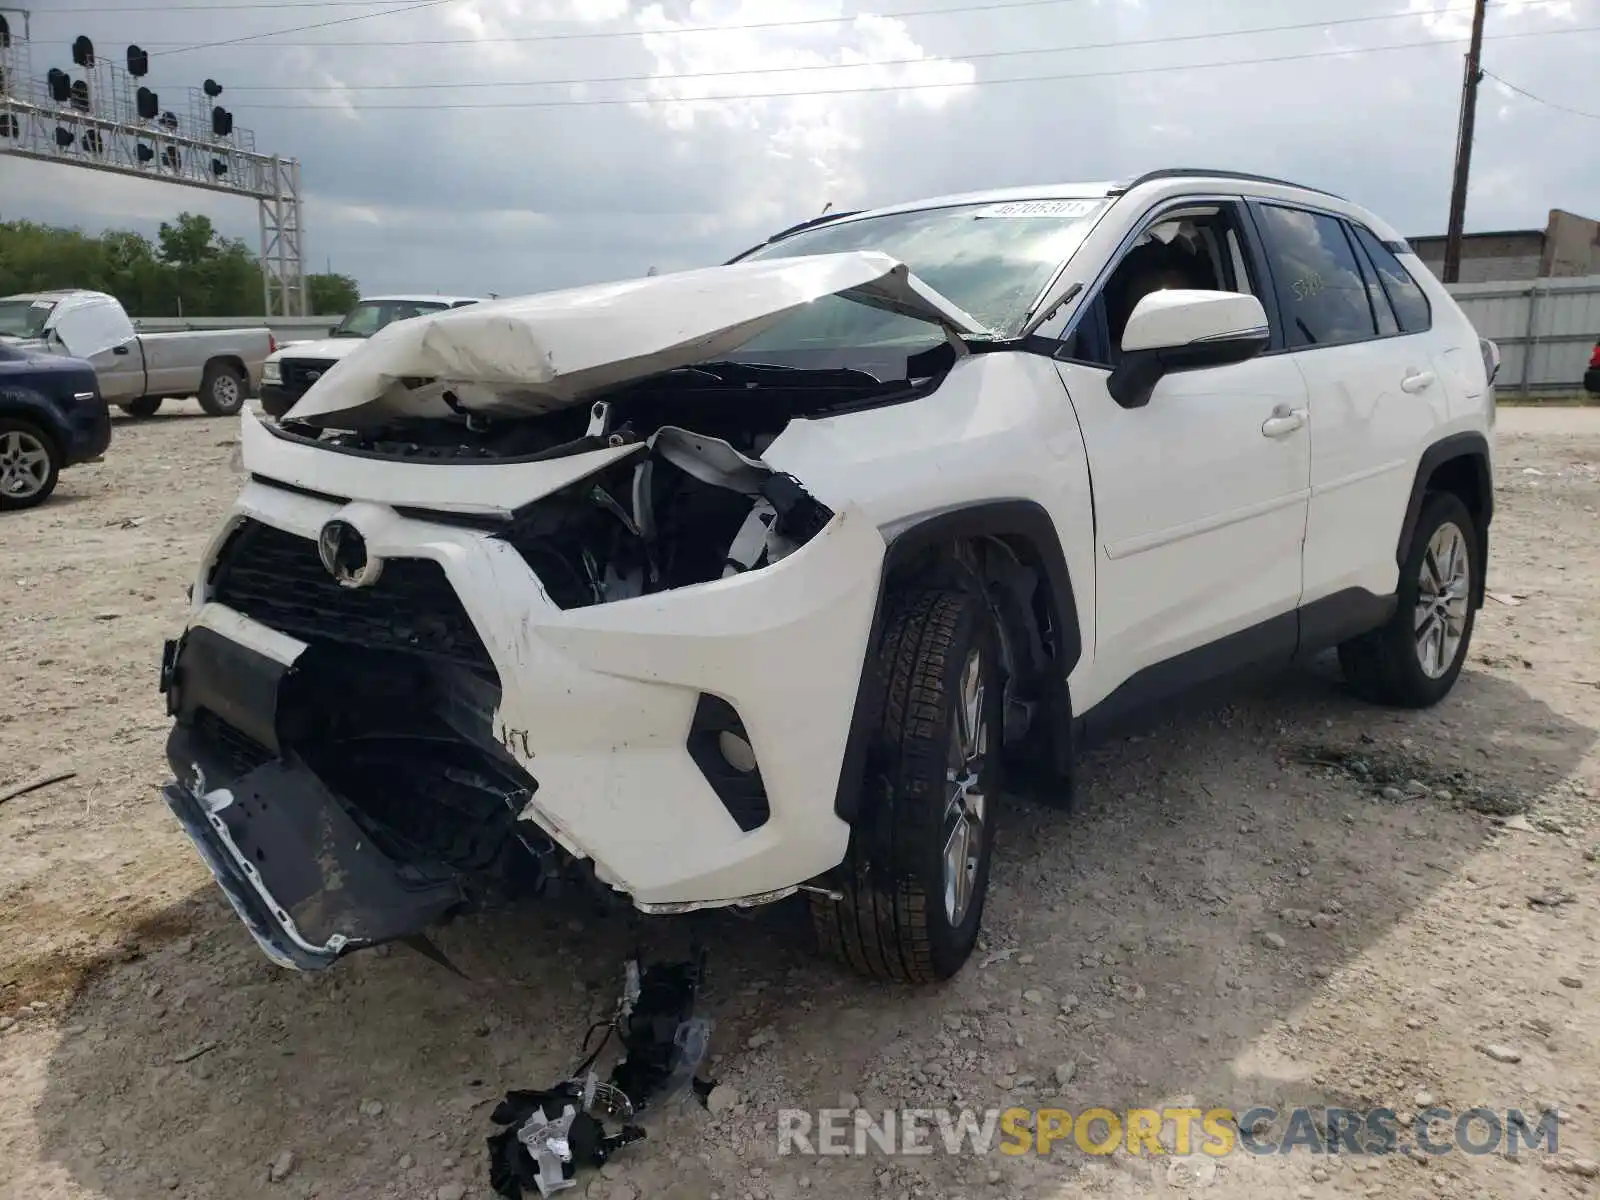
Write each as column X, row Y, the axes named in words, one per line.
column 190, row 241
column 188, row 270
column 332, row 293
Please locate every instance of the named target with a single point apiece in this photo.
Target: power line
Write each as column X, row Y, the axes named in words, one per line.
column 808, row 22
column 255, row 37
column 1527, row 95
column 212, row 8
column 1352, row 52
column 833, row 66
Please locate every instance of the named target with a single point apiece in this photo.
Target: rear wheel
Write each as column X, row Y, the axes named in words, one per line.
column 30, row 464
column 144, row 406
column 917, row 872
column 1413, row 661
column 222, row 390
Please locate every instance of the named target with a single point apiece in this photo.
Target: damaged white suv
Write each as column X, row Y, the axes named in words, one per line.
column 717, row 586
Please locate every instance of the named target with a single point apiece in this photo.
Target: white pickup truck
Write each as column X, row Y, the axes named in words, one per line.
column 220, row 367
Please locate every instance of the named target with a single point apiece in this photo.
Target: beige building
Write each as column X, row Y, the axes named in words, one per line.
column 1568, row 245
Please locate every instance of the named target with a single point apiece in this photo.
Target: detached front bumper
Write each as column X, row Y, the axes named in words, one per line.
column 306, row 881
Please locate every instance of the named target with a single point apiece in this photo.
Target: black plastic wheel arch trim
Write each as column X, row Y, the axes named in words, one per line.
column 1475, row 448
column 1019, row 519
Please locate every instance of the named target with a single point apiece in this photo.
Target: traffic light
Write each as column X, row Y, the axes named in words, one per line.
column 92, row 142
column 5, row 33
column 170, row 157
column 138, row 62
column 221, row 122
column 83, row 52
column 218, row 167
column 60, row 85
column 211, row 88
column 80, row 95
column 9, row 128
column 64, row 137
column 148, row 104
column 144, row 152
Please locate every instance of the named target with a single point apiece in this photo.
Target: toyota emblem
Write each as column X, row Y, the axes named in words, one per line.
column 344, row 555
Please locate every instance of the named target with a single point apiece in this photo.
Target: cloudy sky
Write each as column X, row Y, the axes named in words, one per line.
column 600, row 138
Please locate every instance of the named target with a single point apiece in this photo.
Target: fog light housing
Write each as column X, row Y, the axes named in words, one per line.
column 720, row 746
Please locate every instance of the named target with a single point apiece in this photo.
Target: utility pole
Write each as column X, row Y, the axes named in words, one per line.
column 1469, row 113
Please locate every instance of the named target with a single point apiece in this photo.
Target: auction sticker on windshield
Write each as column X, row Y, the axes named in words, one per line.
column 1041, row 208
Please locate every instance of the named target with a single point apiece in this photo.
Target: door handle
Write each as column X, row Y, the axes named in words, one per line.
column 1417, row 381
column 1283, row 421
column 119, row 350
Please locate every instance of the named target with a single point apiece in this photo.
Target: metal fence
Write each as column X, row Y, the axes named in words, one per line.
column 285, row 329
column 1545, row 328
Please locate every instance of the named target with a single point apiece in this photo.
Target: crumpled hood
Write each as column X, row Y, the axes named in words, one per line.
column 534, row 354
column 324, row 348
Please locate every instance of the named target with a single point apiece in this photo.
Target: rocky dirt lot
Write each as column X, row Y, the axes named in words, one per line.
column 1279, row 897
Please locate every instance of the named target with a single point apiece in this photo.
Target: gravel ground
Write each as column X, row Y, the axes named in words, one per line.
column 1276, row 897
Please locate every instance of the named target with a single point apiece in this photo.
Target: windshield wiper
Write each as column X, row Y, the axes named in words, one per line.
column 732, row 371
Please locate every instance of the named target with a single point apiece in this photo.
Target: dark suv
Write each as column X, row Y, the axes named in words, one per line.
column 52, row 416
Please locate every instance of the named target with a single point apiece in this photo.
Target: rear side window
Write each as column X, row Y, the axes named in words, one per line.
column 1320, row 289
column 1410, row 302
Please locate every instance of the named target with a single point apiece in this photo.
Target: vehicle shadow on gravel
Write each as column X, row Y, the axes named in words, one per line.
column 1127, row 939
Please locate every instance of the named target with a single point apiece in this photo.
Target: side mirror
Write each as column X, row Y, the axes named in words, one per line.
column 1184, row 330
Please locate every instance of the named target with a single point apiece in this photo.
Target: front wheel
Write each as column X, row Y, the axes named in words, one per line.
column 222, row 390
column 30, row 464
column 1413, row 660
column 917, row 871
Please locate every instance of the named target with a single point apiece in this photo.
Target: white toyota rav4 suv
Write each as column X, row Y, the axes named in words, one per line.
column 717, row 586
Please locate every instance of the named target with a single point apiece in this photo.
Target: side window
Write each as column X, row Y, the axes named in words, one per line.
column 1320, row 289
column 1388, row 326
column 1410, row 302
column 1189, row 252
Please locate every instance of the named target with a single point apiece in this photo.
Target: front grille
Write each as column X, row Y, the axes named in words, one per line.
column 296, row 372
column 278, row 579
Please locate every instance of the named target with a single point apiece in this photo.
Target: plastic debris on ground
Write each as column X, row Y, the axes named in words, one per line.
column 548, row 1136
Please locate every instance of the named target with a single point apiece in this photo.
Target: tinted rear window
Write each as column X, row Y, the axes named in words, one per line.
column 1410, row 302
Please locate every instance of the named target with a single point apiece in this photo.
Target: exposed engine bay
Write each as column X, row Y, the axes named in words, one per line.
column 691, row 504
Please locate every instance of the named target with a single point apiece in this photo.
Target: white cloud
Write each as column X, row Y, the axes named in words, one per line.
column 1456, row 19
column 453, row 198
column 807, row 143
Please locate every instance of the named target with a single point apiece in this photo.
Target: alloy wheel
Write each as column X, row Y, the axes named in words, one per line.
column 24, row 465
column 1443, row 585
column 966, row 806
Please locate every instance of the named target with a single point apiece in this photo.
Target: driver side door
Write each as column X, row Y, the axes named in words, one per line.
column 1200, row 496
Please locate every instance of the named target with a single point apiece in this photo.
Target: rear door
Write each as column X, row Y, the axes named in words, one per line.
column 1374, row 393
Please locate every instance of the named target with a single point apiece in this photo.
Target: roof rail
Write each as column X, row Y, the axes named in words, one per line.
column 783, row 233
column 1189, row 172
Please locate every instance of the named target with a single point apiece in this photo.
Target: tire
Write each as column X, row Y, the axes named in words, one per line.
column 144, row 406
column 1387, row 665
column 30, row 465
column 898, row 919
column 222, row 390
